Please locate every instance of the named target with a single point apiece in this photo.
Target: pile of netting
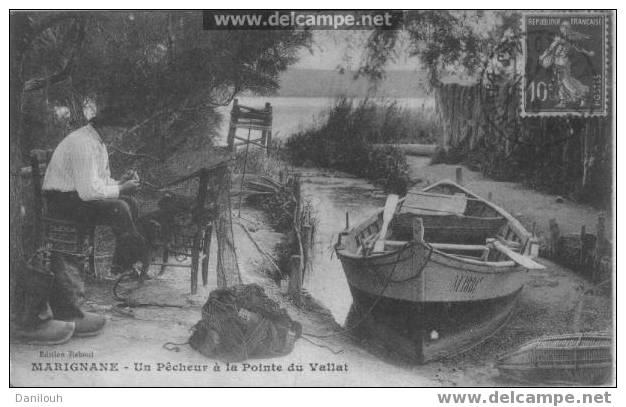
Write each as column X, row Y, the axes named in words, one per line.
column 241, row 322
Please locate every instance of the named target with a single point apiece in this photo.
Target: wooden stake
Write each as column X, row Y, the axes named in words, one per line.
column 232, row 129
column 243, row 176
column 600, row 249
column 295, row 279
column 583, row 248
column 459, row 175
column 555, row 235
column 267, row 137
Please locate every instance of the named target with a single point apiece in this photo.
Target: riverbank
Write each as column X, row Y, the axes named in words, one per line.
column 137, row 339
column 526, row 204
column 554, row 301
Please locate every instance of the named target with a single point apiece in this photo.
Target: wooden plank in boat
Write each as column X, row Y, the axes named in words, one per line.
column 450, row 221
column 441, row 246
column 437, row 203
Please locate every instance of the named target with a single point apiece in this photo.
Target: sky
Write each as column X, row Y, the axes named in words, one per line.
column 343, row 48
column 334, row 48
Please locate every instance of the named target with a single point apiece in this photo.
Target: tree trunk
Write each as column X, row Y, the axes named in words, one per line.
column 16, row 224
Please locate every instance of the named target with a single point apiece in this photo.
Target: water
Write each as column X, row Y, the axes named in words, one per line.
column 292, row 114
column 332, row 194
column 332, row 197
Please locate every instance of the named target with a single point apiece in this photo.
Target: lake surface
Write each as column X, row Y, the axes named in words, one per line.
column 291, row 114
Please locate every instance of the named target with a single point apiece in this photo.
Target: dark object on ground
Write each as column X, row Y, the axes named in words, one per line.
column 581, row 358
column 240, row 323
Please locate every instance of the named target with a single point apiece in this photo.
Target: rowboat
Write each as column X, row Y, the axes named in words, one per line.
column 449, row 261
column 580, row 358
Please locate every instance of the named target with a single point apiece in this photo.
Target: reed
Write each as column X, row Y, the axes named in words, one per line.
column 343, row 139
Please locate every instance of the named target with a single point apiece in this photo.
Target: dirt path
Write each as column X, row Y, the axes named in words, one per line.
column 524, row 203
column 135, row 338
column 554, row 301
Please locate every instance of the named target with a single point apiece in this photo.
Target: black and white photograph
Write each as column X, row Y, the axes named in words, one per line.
column 313, row 198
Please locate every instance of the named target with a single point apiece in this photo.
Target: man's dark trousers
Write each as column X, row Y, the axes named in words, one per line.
column 120, row 214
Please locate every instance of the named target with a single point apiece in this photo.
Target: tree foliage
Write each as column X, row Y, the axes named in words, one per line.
column 146, row 66
column 158, row 71
column 463, row 42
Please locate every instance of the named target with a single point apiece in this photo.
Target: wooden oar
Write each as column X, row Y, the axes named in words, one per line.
column 516, row 257
column 390, row 209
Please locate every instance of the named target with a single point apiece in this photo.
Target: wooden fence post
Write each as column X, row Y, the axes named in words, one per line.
column 555, row 235
column 583, row 247
column 600, row 249
column 198, row 218
column 307, row 248
column 267, row 134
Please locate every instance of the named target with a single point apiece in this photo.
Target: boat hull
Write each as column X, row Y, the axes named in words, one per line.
column 416, row 273
column 404, row 327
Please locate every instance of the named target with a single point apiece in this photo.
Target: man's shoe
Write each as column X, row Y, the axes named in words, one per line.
column 64, row 304
column 50, row 332
column 90, row 324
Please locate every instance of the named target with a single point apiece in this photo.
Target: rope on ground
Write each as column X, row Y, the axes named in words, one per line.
column 263, row 252
column 134, row 278
column 319, row 345
column 174, row 346
column 137, row 304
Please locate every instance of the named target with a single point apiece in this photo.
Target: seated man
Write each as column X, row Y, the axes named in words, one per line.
column 78, row 187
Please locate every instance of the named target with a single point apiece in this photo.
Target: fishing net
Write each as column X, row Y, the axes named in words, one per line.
column 241, row 322
column 191, row 226
column 227, row 267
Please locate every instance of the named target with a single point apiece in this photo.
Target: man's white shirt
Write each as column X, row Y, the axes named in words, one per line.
column 81, row 163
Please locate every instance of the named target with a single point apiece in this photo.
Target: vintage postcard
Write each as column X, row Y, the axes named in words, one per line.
column 312, row 198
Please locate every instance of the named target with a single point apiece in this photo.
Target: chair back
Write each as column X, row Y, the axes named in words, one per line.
column 39, row 160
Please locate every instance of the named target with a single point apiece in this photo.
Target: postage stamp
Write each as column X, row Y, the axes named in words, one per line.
column 565, row 63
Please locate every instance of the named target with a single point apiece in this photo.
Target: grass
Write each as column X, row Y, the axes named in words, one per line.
column 393, row 123
column 271, row 186
column 345, row 141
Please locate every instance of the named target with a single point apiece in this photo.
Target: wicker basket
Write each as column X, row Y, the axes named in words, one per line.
column 584, row 358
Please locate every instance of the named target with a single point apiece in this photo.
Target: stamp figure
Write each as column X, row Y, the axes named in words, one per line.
column 565, row 64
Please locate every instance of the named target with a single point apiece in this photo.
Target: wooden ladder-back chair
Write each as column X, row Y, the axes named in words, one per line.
column 57, row 235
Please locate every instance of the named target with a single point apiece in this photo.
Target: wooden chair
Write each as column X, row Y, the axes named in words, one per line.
column 57, row 235
column 191, row 238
